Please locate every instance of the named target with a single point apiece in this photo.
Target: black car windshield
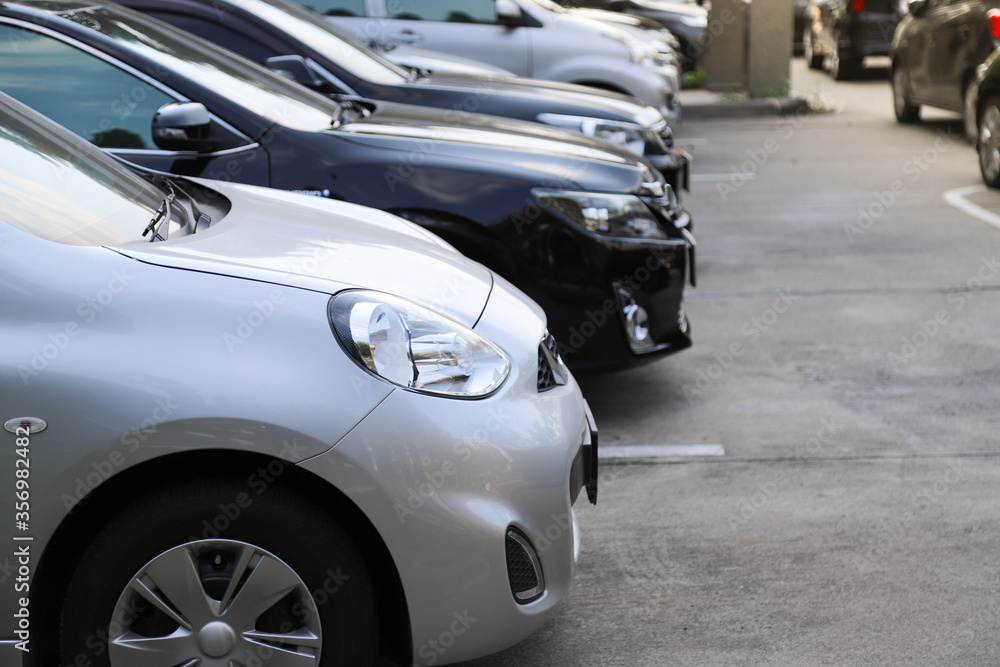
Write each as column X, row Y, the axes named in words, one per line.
column 261, row 91
column 59, row 187
column 321, row 36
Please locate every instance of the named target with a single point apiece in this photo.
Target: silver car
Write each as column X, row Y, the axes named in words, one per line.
column 532, row 38
column 249, row 427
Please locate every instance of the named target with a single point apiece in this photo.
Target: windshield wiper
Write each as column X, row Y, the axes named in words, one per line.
column 162, row 214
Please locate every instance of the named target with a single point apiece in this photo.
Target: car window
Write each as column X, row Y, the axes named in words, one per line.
column 185, row 56
column 60, row 188
column 326, row 38
column 450, row 11
column 353, row 8
column 217, row 34
column 113, row 110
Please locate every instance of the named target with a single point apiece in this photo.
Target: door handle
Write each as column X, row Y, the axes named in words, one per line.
column 406, row 38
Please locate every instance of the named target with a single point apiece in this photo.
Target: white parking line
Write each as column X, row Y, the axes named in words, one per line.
column 659, row 451
column 957, row 198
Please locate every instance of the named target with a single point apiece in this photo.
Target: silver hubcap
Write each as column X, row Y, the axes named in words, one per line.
column 989, row 143
column 215, row 603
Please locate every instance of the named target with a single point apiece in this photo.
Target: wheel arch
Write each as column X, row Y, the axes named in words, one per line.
column 57, row 562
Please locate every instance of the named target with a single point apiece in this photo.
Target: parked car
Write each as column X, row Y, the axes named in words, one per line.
column 686, row 21
column 935, row 52
column 580, row 225
column 840, row 34
column 799, row 25
column 289, row 38
column 244, row 422
column 985, row 91
column 435, row 62
column 523, row 36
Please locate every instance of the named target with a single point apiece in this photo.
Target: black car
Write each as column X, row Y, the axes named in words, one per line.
column 840, row 34
column 935, row 52
column 686, row 21
column 298, row 42
column 588, row 230
column 985, row 91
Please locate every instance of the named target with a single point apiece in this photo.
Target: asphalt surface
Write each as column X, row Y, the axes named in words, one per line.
column 846, row 358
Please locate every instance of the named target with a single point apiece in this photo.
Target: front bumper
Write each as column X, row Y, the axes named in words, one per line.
column 443, row 481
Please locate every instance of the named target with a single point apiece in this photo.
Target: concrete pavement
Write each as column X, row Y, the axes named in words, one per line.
column 846, row 357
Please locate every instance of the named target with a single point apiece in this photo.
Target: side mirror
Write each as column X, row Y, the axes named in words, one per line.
column 916, row 7
column 295, row 68
column 508, row 12
column 183, row 126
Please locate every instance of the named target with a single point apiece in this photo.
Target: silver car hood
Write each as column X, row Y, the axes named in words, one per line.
column 324, row 245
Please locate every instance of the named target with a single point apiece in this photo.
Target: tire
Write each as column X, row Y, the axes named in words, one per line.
column 905, row 112
column 813, row 60
column 294, row 581
column 970, row 122
column 841, row 69
column 988, row 145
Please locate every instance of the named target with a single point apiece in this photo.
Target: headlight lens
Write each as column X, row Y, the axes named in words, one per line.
column 416, row 348
column 616, row 215
column 627, row 135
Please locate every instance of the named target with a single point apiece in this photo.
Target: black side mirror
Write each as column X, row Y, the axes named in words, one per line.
column 183, row 126
column 295, row 68
column 916, row 7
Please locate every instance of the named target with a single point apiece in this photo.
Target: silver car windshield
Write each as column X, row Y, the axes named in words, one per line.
column 263, row 92
column 58, row 187
column 320, row 35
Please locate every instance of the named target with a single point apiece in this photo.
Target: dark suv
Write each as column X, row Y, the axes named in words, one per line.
column 935, row 53
column 840, row 34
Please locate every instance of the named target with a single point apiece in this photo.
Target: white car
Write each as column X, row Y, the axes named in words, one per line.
column 247, row 427
column 532, row 38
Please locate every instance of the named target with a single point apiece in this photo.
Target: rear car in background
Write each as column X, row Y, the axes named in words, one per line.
column 936, row 50
column 840, row 34
column 532, row 38
column 685, row 20
column 251, row 427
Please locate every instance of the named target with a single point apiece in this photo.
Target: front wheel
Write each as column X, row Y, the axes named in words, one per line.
column 905, row 112
column 842, row 69
column 813, row 60
column 988, row 145
column 210, row 575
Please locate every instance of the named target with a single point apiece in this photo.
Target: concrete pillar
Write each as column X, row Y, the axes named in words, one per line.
column 725, row 45
column 769, row 55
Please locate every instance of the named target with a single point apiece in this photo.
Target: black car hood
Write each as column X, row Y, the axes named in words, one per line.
column 400, row 121
column 548, row 94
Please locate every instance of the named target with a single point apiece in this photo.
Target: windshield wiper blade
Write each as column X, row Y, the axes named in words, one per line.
column 159, row 216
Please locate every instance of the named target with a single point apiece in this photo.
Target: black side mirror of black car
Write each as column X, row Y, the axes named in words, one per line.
column 296, row 68
column 916, row 7
column 183, row 126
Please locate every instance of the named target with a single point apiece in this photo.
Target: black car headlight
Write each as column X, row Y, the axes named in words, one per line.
column 414, row 347
column 615, row 215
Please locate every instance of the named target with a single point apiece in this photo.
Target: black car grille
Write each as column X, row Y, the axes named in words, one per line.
column 523, row 568
column 548, row 353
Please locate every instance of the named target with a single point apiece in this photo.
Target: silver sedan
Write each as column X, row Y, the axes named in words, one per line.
column 252, row 427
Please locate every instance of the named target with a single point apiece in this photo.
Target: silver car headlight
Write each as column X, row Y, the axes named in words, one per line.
column 627, row 135
column 414, row 347
column 615, row 215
